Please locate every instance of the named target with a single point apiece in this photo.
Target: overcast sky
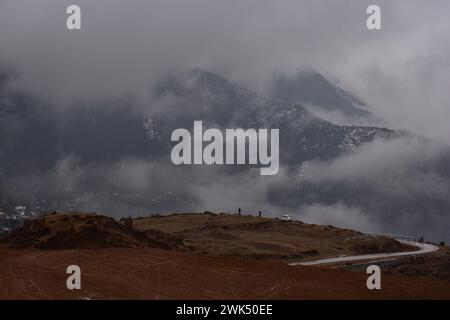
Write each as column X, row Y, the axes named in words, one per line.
column 401, row 71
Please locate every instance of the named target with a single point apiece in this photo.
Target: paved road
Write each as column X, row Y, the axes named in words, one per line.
column 423, row 249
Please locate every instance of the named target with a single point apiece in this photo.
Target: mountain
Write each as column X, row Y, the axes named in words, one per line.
column 219, row 102
column 35, row 135
column 42, row 145
column 321, row 97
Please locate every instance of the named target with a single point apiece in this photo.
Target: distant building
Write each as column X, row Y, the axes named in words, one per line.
column 20, row 210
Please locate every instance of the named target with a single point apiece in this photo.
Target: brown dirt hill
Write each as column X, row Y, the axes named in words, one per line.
column 85, row 231
column 265, row 238
column 210, row 234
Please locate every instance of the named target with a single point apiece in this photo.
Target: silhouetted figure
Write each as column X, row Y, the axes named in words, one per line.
column 239, row 211
column 260, row 214
column 421, row 239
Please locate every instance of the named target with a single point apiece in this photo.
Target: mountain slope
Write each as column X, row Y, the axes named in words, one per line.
column 218, row 102
column 321, row 96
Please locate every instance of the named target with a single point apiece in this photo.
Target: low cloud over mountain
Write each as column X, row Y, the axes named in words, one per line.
column 322, row 98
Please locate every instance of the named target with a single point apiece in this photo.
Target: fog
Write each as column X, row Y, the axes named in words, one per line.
column 401, row 71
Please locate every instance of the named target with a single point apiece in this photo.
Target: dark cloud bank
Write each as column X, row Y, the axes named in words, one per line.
column 85, row 118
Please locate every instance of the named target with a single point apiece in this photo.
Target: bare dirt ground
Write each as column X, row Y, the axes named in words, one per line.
column 194, row 256
column 144, row 273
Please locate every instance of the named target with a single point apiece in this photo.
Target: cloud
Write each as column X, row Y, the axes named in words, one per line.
column 399, row 186
column 247, row 190
column 338, row 215
column 136, row 187
column 401, row 70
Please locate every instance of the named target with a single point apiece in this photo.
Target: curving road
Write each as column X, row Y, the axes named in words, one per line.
column 423, row 249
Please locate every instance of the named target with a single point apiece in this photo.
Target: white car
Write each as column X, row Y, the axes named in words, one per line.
column 286, row 217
